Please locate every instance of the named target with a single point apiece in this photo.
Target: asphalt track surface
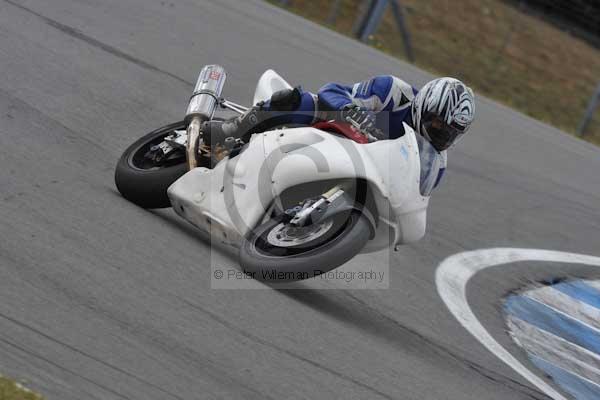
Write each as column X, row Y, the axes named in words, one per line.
column 100, row 299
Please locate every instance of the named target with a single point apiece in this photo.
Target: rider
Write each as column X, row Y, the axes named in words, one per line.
column 441, row 112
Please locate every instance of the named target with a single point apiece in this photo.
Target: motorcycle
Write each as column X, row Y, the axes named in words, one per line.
column 295, row 200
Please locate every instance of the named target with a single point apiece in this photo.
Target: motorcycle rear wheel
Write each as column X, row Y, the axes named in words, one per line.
column 143, row 183
column 283, row 261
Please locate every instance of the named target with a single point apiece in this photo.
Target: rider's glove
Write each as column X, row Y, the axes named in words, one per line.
column 362, row 120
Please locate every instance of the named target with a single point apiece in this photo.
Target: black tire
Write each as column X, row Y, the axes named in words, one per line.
column 339, row 247
column 143, row 185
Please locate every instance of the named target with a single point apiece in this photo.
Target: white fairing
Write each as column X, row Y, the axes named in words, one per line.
column 232, row 198
column 269, row 83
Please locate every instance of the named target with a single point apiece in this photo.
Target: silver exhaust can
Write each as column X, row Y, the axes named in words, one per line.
column 205, row 99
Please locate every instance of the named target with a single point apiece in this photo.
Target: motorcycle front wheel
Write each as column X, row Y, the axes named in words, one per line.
column 277, row 251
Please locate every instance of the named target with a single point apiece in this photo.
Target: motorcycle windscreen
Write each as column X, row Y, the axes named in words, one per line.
column 433, row 165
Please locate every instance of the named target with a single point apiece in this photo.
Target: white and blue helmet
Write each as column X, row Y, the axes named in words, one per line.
column 442, row 111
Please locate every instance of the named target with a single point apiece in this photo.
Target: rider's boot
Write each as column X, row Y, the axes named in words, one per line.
column 261, row 117
column 239, row 127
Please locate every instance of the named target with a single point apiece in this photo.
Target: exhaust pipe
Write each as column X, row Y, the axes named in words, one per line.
column 205, row 99
column 202, row 106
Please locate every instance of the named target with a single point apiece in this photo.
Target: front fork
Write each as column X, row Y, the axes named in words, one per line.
column 335, row 201
column 317, row 210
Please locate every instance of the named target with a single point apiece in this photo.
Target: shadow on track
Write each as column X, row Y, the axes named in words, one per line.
column 352, row 311
column 171, row 219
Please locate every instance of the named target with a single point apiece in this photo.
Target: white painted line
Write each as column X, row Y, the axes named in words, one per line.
column 566, row 304
column 562, row 313
column 554, row 349
column 451, row 279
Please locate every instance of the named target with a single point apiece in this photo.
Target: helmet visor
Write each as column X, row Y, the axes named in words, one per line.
column 441, row 135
